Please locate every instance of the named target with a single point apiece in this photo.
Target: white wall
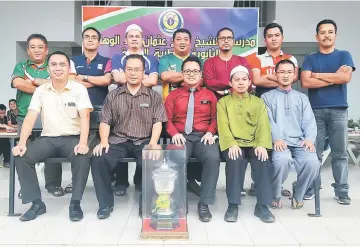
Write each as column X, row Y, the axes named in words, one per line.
column 19, row 19
column 299, row 20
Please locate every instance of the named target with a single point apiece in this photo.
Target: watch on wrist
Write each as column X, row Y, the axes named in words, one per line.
column 85, row 78
column 226, row 92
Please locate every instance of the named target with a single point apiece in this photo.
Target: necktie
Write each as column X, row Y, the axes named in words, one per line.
column 190, row 113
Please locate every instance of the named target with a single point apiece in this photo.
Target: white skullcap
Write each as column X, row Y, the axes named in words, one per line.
column 239, row 68
column 133, row 27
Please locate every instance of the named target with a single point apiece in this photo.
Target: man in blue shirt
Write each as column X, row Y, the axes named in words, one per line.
column 326, row 74
column 134, row 40
column 94, row 72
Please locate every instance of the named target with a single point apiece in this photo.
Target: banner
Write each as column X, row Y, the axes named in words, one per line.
column 158, row 25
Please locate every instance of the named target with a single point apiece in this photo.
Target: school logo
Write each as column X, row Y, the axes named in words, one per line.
column 169, row 21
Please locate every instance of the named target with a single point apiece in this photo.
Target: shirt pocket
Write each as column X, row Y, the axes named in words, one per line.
column 71, row 106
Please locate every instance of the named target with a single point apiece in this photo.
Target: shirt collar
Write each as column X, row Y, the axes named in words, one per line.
column 244, row 96
column 283, row 90
column 67, row 87
column 85, row 58
column 269, row 55
column 179, row 57
column 124, row 89
column 30, row 62
column 127, row 53
column 186, row 88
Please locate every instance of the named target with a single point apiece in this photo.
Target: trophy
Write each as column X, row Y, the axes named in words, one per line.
column 164, row 213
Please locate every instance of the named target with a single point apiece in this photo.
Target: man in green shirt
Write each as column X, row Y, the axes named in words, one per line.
column 26, row 77
column 244, row 135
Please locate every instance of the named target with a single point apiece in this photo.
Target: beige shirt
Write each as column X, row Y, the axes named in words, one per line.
column 60, row 110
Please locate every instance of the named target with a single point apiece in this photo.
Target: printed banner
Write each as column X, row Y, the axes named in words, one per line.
column 158, row 25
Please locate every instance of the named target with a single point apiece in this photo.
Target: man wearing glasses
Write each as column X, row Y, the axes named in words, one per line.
column 134, row 40
column 294, row 131
column 218, row 68
column 192, row 121
column 131, row 117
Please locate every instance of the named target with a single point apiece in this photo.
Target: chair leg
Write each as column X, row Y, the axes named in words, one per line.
column 317, row 186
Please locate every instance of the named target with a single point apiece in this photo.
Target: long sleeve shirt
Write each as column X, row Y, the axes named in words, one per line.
column 243, row 122
column 291, row 116
column 216, row 72
column 205, row 107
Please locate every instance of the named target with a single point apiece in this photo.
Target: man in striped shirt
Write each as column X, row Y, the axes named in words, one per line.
column 131, row 117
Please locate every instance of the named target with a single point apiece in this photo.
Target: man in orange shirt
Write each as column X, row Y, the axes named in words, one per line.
column 263, row 69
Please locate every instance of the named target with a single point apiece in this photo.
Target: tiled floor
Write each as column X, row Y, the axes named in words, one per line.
column 338, row 226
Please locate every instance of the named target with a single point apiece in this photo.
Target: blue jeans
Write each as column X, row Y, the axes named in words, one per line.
column 333, row 122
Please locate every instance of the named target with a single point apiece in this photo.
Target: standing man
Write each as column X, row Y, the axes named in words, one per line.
column 134, row 40
column 326, row 73
column 170, row 72
column 131, row 118
column 59, row 101
column 217, row 69
column 294, row 130
column 244, row 136
column 263, row 70
column 93, row 71
column 26, row 77
column 192, row 121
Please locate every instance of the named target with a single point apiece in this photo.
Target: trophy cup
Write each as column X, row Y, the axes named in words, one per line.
column 164, row 213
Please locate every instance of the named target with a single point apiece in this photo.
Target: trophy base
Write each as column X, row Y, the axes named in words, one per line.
column 164, row 222
column 179, row 233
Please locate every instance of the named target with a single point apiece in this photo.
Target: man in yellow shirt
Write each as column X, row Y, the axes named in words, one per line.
column 65, row 108
column 244, row 135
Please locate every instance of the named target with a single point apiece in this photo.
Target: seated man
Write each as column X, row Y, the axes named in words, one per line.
column 244, row 134
column 65, row 109
column 131, row 117
column 294, row 132
column 191, row 112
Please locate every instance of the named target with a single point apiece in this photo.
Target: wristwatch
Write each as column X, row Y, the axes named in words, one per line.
column 85, row 78
column 226, row 92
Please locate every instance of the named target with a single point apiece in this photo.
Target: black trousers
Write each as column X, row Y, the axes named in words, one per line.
column 5, row 149
column 209, row 161
column 235, row 172
column 103, row 167
column 46, row 147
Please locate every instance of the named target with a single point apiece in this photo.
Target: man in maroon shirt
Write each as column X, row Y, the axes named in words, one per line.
column 192, row 121
column 218, row 68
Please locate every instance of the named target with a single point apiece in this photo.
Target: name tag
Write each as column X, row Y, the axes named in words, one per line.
column 205, row 102
column 144, row 105
column 71, row 104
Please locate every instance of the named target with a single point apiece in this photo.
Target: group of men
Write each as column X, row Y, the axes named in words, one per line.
column 207, row 108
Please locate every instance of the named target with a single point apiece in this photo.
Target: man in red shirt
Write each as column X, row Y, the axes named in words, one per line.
column 218, row 68
column 192, row 121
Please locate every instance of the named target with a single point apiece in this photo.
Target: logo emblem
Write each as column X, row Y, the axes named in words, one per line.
column 100, row 66
column 169, row 21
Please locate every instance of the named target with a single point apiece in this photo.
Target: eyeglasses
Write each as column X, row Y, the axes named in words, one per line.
column 282, row 73
column 87, row 37
column 135, row 70
column 189, row 72
column 225, row 38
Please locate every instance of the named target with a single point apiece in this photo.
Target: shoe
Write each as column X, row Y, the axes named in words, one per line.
column 343, row 198
column 264, row 213
column 243, row 192
column 56, row 191
column 7, row 164
column 138, row 187
column 34, row 211
column 252, row 190
column 232, row 213
column 75, row 212
column 194, row 187
column 309, row 195
column 20, row 195
column 203, row 212
column 104, row 213
column 69, row 188
column 120, row 190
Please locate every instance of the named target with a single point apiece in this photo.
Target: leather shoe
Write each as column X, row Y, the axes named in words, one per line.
column 120, row 190
column 264, row 213
column 203, row 212
column 34, row 211
column 194, row 187
column 232, row 213
column 75, row 212
column 104, row 213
